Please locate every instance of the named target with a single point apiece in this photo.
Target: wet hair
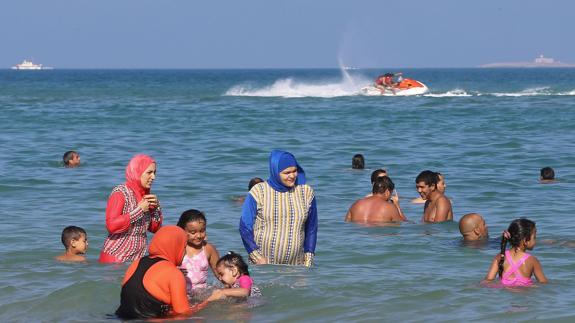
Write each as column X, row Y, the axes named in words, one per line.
column 71, row 233
column 383, row 184
column 358, row 162
column 68, row 156
column 428, row 177
column 547, row 173
column 519, row 230
column 191, row 215
column 234, row 260
column 377, row 173
column 253, row 182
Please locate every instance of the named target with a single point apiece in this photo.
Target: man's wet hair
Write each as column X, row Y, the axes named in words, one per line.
column 68, row 156
column 253, row 182
column 383, row 184
column 428, row 177
column 358, row 162
column 377, row 173
column 71, row 233
column 547, row 173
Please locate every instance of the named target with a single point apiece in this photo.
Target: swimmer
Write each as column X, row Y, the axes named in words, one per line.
column 472, row 227
column 252, row 183
column 358, row 162
column 380, row 207
column 437, row 207
column 378, row 173
column 547, row 175
column 514, row 266
column 71, row 159
column 233, row 273
column 200, row 255
column 75, row 240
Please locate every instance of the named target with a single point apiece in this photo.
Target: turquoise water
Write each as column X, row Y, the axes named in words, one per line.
column 488, row 131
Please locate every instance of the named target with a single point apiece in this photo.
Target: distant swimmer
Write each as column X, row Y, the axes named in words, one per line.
column 358, row 162
column 437, row 206
column 472, row 227
column 547, row 175
column 75, row 240
column 71, row 159
column 378, row 208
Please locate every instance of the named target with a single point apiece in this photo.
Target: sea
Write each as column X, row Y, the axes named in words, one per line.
column 489, row 131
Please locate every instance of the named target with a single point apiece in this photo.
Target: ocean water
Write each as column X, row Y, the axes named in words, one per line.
column 488, row 130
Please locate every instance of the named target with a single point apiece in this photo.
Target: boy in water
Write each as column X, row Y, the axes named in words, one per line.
column 437, row 206
column 75, row 241
column 547, row 175
column 71, row 159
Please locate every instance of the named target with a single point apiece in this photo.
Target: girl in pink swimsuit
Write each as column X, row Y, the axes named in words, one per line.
column 234, row 274
column 200, row 255
column 514, row 266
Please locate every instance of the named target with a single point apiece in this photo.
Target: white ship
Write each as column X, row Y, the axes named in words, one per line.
column 28, row 65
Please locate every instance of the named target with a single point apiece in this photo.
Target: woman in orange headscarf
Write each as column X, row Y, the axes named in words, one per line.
column 131, row 211
column 153, row 285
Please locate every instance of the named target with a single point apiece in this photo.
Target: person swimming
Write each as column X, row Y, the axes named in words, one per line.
column 514, row 266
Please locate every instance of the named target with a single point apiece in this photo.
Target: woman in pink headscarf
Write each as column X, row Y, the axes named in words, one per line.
column 132, row 211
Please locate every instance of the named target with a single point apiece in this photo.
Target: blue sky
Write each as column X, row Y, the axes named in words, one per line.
column 283, row 34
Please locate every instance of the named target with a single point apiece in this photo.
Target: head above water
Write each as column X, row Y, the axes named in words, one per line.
column 358, row 162
column 169, row 243
column 378, row 173
column 253, row 182
column 382, row 185
column 72, row 233
column 428, row 177
column 472, row 227
column 71, row 159
column 547, row 174
column 135, row 171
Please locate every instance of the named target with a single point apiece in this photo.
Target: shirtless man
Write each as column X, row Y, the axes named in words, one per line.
column 437, row 206
column 472, row 227
column 381, row 207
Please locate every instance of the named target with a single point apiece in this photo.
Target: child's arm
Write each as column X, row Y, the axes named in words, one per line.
column 229, row 292
column 538, row 271
column 492, row 273
column 213, row 257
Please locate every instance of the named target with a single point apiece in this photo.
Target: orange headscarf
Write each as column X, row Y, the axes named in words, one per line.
column 134, row 171
column 169, row 243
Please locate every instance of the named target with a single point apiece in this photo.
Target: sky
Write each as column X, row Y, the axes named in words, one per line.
column 283, row 34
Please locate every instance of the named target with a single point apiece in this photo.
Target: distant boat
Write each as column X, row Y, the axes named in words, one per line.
column 540, row 61
column 28, row 65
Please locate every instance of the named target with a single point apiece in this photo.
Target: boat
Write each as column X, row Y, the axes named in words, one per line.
column 28, row 65
column 405, row 87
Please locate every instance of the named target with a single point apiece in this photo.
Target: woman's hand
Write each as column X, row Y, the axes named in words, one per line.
column 144, row 205
column 152, row 200
column 262, row 261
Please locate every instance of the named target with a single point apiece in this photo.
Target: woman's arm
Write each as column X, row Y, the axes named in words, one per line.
column 311, row 228
column 116, row 221
column 156, row 220
column 249, row 212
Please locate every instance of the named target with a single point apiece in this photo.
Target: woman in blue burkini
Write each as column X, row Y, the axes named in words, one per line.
column 279, row 216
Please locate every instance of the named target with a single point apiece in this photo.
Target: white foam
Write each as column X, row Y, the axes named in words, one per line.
column 448, row 94
column 526, row 92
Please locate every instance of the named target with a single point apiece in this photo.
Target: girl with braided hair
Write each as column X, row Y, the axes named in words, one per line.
column 514, row 266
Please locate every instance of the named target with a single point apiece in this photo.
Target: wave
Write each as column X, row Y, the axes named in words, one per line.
column 448, row 94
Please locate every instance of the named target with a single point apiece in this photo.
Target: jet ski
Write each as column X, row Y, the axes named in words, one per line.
column 405, row 87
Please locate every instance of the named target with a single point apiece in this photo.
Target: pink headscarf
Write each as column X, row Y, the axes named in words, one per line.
column 134, row 171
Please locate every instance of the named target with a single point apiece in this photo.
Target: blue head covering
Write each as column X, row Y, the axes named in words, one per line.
column 280, row 160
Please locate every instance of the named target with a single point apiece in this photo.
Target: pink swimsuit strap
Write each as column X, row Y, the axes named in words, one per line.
column 518, row 279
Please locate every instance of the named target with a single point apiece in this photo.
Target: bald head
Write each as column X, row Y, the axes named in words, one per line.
column 472, row 227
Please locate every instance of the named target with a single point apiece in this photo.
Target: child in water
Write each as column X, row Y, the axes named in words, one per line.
column 514, row 266
column 75, row 240
column 199, row 253
column 233, row 273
